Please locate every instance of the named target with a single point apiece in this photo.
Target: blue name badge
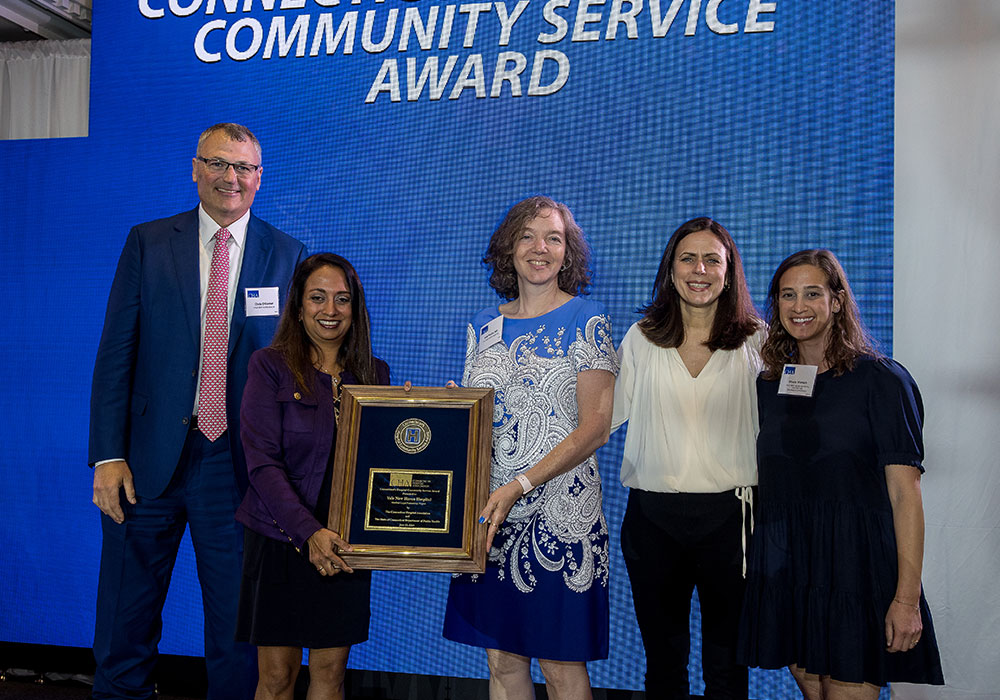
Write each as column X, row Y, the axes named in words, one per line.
column 797, row 380
column 262, row 301
column 491, row 333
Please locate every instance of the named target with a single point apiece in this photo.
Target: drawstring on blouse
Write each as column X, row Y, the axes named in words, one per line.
column 745, row 494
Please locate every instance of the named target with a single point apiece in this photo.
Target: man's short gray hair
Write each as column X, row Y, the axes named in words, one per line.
column 233, row 132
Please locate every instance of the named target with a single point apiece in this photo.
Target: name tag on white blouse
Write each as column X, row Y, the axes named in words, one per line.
column 797, row 380
column 262, row 301
column 491, row 333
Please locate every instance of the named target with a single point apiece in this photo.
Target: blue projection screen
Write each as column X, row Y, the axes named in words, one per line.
column 397, row 133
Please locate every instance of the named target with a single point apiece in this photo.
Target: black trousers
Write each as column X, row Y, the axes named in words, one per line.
column 674, row 543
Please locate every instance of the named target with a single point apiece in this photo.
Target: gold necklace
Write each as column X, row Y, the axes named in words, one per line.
column 336, row 387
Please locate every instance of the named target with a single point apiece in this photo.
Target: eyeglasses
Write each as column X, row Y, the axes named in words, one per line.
column 218, row 166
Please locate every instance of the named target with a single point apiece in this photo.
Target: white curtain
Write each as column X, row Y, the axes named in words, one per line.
column 44, row 89
column 947, row 318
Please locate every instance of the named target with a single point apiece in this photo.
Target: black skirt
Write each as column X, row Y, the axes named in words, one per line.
column 285, row 602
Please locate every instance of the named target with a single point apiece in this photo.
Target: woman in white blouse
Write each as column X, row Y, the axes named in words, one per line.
column 687, row 389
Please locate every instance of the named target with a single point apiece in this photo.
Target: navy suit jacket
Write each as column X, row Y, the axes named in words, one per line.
column 146, row 371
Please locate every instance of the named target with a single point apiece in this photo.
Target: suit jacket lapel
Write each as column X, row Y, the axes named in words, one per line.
column 256, row 255
column 184, row 246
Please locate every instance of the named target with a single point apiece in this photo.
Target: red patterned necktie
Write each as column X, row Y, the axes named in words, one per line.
column 212, row 390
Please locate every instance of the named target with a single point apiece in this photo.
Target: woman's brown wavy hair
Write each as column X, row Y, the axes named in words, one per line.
column 574, row 277
column 848, row 339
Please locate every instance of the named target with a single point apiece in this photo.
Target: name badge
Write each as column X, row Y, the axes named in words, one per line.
column 797, row 380
column 262, row 301
column 491, row 333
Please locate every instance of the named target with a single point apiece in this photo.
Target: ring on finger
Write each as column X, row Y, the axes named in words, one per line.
column 321, row 570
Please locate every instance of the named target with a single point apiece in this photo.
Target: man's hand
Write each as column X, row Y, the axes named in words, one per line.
column 109, row 478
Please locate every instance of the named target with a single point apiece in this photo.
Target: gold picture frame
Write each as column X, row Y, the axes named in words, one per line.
column 411, row 475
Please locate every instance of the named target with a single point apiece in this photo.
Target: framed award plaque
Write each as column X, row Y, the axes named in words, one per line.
column 411, row 474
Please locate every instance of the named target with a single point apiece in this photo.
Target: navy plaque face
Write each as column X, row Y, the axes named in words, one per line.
column 408, row 501
column 395, row 444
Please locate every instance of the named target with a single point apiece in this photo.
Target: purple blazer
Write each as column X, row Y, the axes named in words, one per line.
column 287, row 437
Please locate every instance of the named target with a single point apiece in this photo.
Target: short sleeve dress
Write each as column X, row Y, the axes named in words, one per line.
column 823, row 563
column 545, row 590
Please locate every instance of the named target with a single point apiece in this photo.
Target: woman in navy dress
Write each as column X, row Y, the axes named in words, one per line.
column 834, row 588
column 549, row 356
column 296, row 592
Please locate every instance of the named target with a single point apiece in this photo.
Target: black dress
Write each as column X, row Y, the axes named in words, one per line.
column 284, row 601
column 823, row 562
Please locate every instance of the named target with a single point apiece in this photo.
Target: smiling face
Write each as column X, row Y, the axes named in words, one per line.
column 806, row 306
column 225, row 196
column 699, row 269
column 540, row 250
column 326, row 309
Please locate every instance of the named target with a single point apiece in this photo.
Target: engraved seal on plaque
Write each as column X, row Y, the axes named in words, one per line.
column 413, row 435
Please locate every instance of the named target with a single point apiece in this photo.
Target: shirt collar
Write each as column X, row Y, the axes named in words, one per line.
column 207, row 228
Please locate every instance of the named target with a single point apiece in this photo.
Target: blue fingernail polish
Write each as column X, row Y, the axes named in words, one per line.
column 481, row 520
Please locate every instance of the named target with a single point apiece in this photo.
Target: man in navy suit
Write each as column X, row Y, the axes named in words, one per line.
column 193, row 296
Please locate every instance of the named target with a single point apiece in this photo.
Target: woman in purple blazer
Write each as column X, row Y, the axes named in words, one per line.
column 296, row 592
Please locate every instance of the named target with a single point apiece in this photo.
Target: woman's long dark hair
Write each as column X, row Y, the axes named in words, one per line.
column 735, row 316
column 848, row 338
column 294, row 344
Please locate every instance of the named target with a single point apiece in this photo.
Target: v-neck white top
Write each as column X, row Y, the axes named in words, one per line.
column 687, row 434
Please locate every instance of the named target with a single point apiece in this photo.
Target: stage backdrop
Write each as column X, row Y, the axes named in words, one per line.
column 397, row 133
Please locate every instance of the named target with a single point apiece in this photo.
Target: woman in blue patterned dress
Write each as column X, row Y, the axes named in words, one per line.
column 549, row 357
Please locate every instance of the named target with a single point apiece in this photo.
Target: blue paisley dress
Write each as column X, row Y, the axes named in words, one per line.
column 545, row 590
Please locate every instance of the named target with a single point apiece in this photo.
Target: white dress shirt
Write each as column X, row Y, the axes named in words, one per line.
column 687, row 434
